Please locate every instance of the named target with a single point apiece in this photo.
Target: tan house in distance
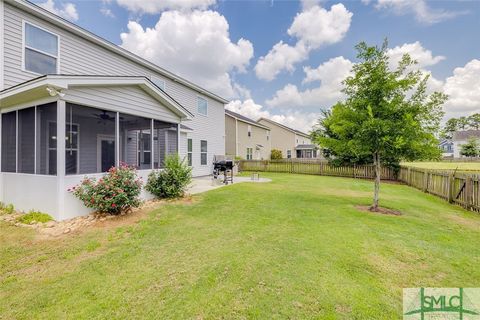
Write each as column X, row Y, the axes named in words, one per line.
column 292, row 143
column 246, row 138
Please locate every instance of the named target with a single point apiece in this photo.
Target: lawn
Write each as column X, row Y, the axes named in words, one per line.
column 293, row 248
column 460, row 166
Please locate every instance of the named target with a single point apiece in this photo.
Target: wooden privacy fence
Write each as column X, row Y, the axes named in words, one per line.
column 314, row 166
column 459, row 188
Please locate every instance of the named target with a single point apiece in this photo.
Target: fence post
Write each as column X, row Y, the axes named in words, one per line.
column 425, row 180
column 451, row 183
column 468, row 192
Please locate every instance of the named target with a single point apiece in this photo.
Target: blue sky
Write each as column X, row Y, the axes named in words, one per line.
column 444, row 35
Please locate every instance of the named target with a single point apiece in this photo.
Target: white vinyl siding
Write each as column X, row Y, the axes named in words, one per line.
column 158, row 82
column 82, row 57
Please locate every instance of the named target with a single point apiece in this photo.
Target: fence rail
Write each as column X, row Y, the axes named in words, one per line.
column 459, row 188
column 314, row 166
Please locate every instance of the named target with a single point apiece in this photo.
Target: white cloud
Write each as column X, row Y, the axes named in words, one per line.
column 313, row 28
column 195, row 45
column 419, row 8
column 157, row 6
column 107, row 12
column 291, row 118
column 330, row 74
column 68, row 11
column 424, row 57
column 463, row 88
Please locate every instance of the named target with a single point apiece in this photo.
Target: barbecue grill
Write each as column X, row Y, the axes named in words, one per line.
column 223, row 166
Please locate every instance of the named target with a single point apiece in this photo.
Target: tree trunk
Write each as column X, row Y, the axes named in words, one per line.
column 376, row 163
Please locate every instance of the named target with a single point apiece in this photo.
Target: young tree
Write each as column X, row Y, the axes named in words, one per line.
column 470, row 149
column 387, row 115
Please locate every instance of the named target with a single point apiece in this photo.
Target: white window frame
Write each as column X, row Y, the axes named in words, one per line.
column 249, row 129
column 24, row 46
column 202, row 152
column 140, row 147
column 156, row 79
column 47, row 156
column 249, row 153
column 190, row 152
column 289, row 154
column 198, row 98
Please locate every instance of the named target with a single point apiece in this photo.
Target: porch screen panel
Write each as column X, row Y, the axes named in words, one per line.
column 135, row 141
column 90, row 140
column 47, row 139
column 26, row 140
column 9, row 141
column 165, row 140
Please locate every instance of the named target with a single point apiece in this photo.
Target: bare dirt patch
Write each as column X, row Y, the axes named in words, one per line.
column 381, row 210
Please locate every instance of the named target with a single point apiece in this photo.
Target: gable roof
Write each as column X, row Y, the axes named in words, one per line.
column 240, row 117
column 64, row 82
column 466, row 134
column 79, row 31
column 300, row 133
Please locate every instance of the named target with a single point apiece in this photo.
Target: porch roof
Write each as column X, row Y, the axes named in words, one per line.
column 52, row 85
column 306, row 147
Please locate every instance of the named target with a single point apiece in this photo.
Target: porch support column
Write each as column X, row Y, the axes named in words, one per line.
column 117, row 139
column 178, row 139
column 61, row 136
column 152, row 145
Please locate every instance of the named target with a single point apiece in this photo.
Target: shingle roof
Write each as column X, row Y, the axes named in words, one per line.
column 245, row 119
column 306, row 146
column 288, row 128
column 465, row 135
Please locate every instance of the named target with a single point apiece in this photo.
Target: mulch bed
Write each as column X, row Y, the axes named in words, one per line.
column 380, row 210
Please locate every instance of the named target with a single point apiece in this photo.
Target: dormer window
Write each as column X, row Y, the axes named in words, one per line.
column 40, row 50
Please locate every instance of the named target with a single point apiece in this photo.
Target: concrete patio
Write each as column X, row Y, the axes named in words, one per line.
column 207, row 183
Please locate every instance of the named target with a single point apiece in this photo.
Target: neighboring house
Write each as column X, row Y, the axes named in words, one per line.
column 246, row 138
column 446, row 146
column 73, row 104
column 462, row 137
column 292, row 143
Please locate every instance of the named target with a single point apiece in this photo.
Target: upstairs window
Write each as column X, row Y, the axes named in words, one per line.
column 159, row 82
column 249, row 153
column 249, row 130
column 40, row 50
column 202, row 106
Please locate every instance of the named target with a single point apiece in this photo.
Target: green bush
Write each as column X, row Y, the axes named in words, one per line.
column 6, row 209
column 117, row 191
column 34, row 216
column 276, row 154
column 172, row 181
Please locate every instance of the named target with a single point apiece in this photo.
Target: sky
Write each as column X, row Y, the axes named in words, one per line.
column 286, row 59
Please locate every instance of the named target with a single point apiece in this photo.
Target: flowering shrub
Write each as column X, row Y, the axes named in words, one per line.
column 171, row 181
column 117, row 191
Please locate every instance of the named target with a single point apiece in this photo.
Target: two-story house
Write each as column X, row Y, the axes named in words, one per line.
column 73, row 104
column 246, row 138
column 293, row 143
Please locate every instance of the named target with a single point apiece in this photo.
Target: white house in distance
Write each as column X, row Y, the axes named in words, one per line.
column 73, row 104
column 462, row 137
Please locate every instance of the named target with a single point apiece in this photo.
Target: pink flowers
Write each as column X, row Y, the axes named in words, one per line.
column 119, row 189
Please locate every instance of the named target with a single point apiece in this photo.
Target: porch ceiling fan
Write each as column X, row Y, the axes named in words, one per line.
column 104, row 117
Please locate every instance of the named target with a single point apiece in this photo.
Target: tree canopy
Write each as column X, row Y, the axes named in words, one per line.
column 387, row 115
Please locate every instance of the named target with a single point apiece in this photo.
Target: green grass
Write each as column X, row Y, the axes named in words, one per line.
column 293, row 248
column 34, row 216
column 460, row 166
